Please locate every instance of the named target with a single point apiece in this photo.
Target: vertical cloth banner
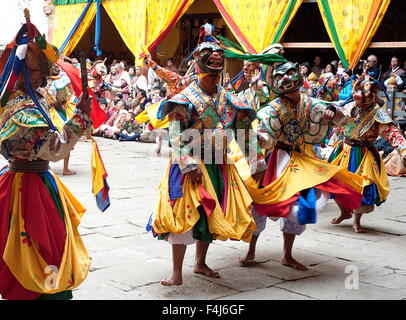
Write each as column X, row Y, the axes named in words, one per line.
column 66, row 19
column 100, row 187
column 129, row 17
column 248, row 20
column 351, row 24
column 162, row 15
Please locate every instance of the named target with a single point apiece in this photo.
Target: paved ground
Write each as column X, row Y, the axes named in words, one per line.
column 127, row 263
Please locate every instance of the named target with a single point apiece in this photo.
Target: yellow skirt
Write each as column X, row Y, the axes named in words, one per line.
column 301, row 172
column 367, row 168
column 181, row 215
column 43, row 225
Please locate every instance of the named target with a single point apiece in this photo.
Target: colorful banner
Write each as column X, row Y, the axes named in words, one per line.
column 161, row 17
column 129, row 17
column 100, row 187
column 66, row 18
column 248, row 20
column 351, row 24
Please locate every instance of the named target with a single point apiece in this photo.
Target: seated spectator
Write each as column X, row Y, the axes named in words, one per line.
column 112, row 129
column 345, row 85
column 130, row 130
column 372, row 65
column 317, row 68
column 113, row 107
column 394, row 70
column 112, row 121
column 340, row 69
column 305, row 69
column 156, row 95
column 140, row 82
column 103, row 105
column 135, row 107
column 142, row 97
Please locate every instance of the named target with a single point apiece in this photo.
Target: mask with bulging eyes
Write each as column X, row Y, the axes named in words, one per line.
column 209, row 58
column 365, row 92
column 287, row 78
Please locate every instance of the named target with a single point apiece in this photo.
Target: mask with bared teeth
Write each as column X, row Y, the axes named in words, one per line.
column 209, row 58
column 286, row 78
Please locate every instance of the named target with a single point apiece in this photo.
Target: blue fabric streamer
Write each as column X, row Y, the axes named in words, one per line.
column 75, row 27
column 148, row 227
column 307, row 207
column 175, row 182
column 102, row 203
column 97, row 30
column 34, row 96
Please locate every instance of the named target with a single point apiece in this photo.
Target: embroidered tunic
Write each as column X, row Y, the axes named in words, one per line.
column 193, row 109
column 25, row 134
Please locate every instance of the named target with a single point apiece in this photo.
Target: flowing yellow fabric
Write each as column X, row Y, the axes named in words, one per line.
column 248, row 20
column 351, row 24
column 26, row 263
column 70, row 108
column 98, row 170
column 65, row 18
column 142, row 117
column 237, row 223
column 302, row 172
column 150, row 114
column 368, row 170
column 129, row 17
column 163, row 14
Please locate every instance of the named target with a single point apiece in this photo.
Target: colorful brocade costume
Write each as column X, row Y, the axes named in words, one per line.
column 296, row 184
column 41, row 252
column 358, row 154
column 175, row 82
column 219, row 208
column 256, row 98
column 62, row 99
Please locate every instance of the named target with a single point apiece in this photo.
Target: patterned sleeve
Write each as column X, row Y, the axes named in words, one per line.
column 391, row 133
column 170, row 77
column 178, row 122
column 55, row 146
column 269, row 127
column 251, row 147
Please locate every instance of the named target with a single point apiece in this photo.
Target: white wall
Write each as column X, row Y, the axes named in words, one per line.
column 12, row 17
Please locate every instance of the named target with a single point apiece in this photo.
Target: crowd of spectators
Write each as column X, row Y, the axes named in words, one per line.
column 126, row 92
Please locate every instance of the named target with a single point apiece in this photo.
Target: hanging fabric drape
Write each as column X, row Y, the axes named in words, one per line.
column 248, row 20
column 162, row 15
column 351, row 24
column 129, row 17
column 98, row 28
column 65, row 18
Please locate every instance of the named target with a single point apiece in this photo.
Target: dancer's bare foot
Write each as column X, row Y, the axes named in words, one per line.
column 290, row 262
column 249, row 259
column 343, row 216
column 358, row 229
column 172, row 281
column 205, row 270
column 68, row 172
